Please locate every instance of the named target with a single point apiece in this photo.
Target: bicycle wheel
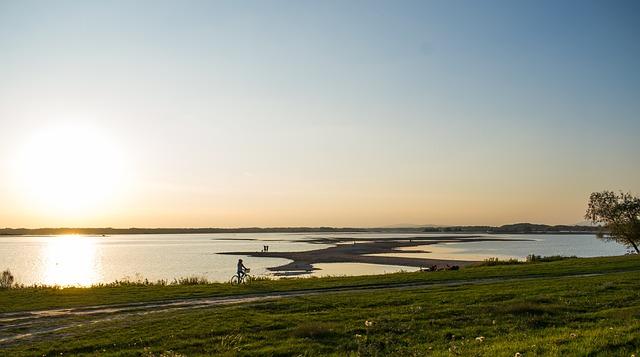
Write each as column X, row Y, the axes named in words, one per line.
column 247, row 279
column 235, row 280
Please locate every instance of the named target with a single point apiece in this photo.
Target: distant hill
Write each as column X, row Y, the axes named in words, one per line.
column 518, row 228
column 409, row 225
column 586, row 224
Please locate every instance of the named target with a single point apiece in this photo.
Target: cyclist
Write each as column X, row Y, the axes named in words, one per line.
column 242, row 270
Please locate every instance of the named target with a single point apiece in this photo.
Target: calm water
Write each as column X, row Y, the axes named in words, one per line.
column 581, row 245
column 86, row 260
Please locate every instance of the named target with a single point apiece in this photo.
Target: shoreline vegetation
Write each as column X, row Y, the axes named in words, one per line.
column 492, row 268
column 518, row 228
column 578, row 306
column 7, row 279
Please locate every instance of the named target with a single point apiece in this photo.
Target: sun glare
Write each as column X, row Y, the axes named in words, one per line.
column 70, row 260
column 68, row 170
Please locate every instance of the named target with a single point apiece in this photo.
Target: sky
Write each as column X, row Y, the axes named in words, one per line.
column 315, row 113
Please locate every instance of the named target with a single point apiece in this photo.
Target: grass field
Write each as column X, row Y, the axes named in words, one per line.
column 545, row 309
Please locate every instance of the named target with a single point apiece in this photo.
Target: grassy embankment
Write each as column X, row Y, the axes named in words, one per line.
column 549, row 313
column 33, row 298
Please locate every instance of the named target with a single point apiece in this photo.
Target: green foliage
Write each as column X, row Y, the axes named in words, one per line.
column 128, row 291
column 191, row 280
column 314, row 330
column 148, row 353
column 532, row 258
column 620, row 215
column 6, row 279
column 567, row 316
column 497, row 261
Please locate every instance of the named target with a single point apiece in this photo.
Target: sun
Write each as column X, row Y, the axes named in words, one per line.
column 69, row 169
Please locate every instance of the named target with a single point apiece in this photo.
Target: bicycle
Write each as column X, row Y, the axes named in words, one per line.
column 244, row 279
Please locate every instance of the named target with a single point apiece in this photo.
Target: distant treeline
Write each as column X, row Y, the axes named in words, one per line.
column 518, row 228
column 109, row 231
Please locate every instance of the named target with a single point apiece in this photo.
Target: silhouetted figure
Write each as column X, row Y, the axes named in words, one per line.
column 241, row 269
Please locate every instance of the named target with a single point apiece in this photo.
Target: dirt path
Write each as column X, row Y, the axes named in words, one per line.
column 17, row 327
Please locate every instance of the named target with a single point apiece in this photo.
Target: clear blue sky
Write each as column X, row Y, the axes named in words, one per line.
column 329, row 112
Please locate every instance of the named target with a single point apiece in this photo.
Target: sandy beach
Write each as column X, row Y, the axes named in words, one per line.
column 358, row 250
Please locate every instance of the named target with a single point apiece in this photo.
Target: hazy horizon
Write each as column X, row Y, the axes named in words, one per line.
column 344, row 114
column 386, row 226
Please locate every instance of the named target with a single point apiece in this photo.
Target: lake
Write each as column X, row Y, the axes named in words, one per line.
column 86, row 260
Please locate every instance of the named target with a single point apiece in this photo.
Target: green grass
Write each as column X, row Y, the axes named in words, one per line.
column 43, row 298
column 561, row 316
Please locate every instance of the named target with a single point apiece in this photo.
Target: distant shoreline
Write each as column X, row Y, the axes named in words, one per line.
column 519, row 228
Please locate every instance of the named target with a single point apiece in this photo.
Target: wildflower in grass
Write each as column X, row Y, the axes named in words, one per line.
column 368, row 323
column 480, row 338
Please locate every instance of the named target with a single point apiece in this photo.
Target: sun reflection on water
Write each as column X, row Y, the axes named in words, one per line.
column 70, row 261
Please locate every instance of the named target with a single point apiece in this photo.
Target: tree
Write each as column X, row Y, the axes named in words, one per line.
column 620, row 216
column 6, row 279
